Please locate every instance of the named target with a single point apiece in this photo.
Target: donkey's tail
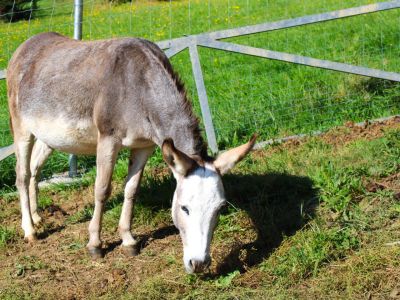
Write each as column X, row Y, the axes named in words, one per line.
column 11, row 128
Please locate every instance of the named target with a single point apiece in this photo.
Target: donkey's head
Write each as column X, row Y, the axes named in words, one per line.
column 198, row 198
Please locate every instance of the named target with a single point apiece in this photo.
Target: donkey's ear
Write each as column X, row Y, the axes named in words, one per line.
column 179, row 162
column 228, row 159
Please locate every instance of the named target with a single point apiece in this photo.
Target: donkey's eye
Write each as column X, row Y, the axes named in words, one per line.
column 185, row 209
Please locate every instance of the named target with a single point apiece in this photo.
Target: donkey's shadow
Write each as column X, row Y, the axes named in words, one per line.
column 277, row 204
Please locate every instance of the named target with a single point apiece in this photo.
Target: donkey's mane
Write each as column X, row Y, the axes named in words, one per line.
column 200, row 146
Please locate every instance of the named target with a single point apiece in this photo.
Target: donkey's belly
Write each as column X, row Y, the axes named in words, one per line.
column 72, row 136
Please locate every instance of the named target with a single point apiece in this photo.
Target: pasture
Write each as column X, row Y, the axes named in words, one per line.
column 316, row 218
column 309, row 219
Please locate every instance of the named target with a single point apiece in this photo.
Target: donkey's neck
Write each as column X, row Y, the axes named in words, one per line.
column 189, row 140
column 183, row 128
column 173, row 117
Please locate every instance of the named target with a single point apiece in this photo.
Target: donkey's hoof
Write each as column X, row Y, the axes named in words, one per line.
column 130, row 250
column 30, row 239
column 96, row 253
column 36, row 219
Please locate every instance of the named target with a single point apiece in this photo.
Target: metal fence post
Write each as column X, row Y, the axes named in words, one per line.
column 201, row 91
column 78, row 12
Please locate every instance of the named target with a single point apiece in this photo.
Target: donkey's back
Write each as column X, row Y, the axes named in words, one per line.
column 66, row 91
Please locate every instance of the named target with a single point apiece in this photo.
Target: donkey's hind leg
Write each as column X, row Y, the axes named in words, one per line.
column 40, row 154
column 136, row 165
column 23, row 142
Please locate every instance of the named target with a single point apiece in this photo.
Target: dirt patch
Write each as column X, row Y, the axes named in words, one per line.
column 57, row 265
column 366, row 131
column 391, row 182
column 339, row 136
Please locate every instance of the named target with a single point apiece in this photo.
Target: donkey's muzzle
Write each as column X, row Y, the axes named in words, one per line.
column 198, row 266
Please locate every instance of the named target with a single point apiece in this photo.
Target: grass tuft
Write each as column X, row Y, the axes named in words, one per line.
column 7, row 235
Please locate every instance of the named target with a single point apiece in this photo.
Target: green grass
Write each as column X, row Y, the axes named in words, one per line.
column 246, row 94
column 7, row 235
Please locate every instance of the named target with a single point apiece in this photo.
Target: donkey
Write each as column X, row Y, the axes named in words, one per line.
column 96, row 98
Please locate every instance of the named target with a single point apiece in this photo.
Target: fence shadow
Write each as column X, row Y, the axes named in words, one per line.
column 277, row 204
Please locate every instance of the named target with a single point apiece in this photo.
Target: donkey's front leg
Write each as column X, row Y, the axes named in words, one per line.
column 107, row 151
column 136, row 165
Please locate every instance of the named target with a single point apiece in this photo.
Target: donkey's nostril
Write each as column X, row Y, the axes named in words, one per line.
column 198, row 266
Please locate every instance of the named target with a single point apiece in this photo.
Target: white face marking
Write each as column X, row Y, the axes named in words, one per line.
column 197, row 201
